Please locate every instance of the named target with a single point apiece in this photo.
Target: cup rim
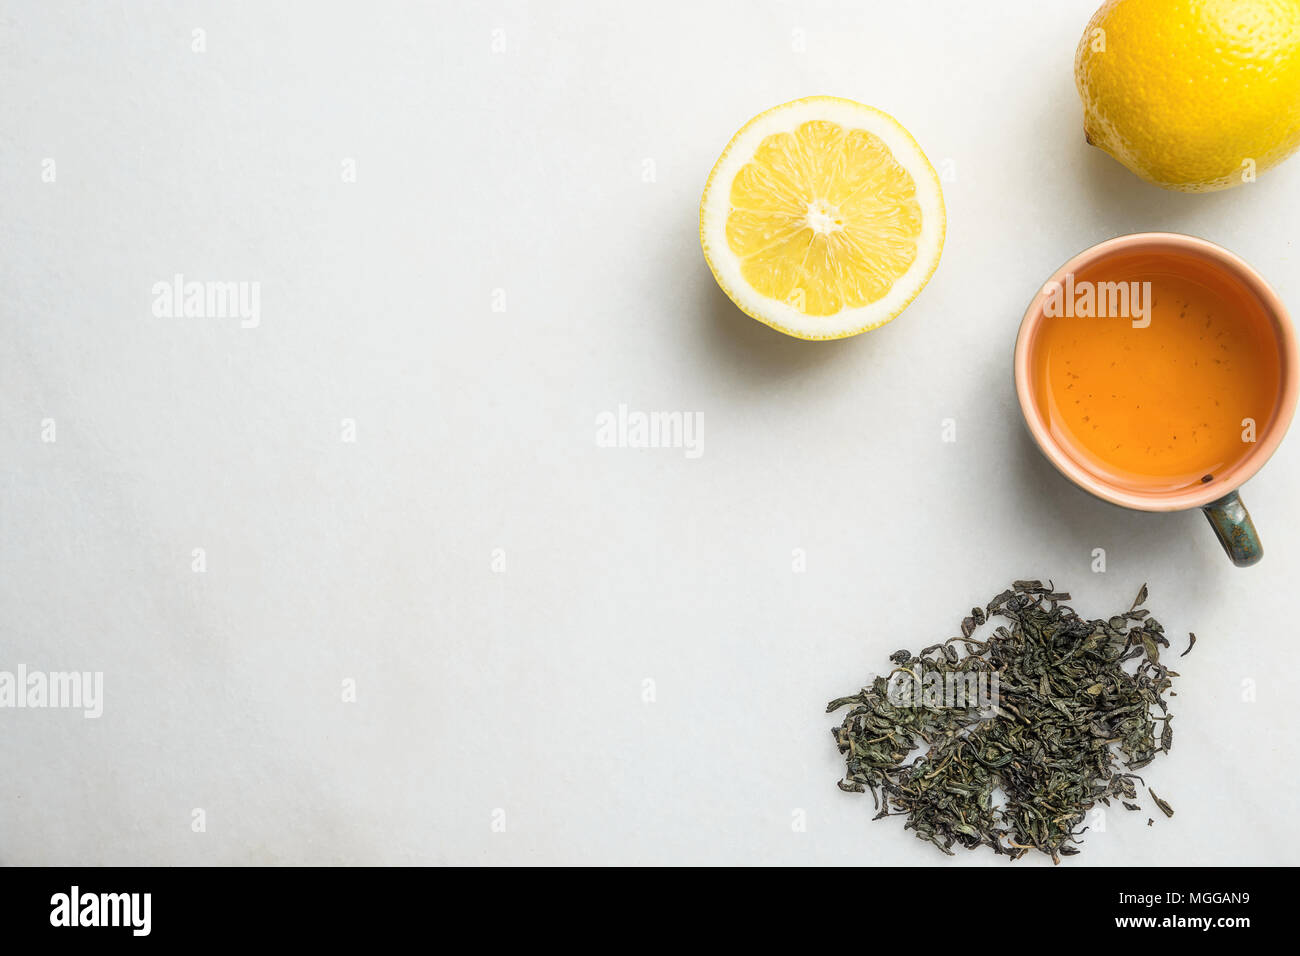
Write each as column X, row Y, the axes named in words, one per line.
column 1266, row 443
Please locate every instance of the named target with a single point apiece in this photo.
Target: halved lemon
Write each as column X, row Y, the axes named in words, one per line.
column 822, row 218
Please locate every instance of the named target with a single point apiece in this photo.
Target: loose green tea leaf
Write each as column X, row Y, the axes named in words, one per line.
column 1017, row 769
column 1165, row 808
column 1190, row 644
column 1141, row 598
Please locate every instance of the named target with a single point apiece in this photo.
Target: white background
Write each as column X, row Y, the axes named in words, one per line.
column 522, row 691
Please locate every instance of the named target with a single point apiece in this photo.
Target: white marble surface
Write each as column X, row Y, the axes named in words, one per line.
column 517, row 695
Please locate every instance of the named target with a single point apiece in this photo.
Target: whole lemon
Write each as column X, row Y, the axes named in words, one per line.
column 1193, row 95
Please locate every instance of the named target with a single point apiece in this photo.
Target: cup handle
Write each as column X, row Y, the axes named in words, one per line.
column 1236, row 532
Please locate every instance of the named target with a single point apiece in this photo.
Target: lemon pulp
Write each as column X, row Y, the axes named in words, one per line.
column 823, row 218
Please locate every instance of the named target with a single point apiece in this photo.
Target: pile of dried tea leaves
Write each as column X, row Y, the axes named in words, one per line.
column 1071, row 708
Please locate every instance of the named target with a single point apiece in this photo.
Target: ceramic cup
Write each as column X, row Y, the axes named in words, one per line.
column 1218, row 498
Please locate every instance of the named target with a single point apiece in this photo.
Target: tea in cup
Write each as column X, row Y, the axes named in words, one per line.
column 1159, row 372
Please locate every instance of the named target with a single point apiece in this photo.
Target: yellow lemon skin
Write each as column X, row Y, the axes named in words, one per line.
column 1192, row 95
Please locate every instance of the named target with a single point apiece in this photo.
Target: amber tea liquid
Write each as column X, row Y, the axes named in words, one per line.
column 1164, row 400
